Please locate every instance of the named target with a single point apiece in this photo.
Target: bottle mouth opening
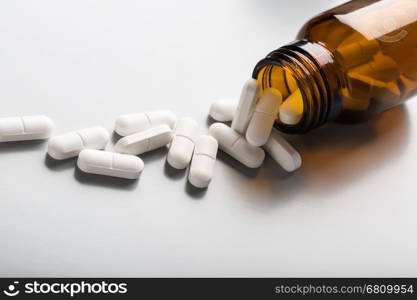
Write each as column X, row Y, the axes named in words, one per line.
column 277, row 75
column 297, row 64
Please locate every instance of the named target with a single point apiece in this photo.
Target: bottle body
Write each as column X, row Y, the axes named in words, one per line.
column 347, row 64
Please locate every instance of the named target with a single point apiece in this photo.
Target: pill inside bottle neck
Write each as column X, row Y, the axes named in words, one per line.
column 306, row 76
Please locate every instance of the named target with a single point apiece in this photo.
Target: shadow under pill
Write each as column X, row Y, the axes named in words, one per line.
column 104, row 181
column 193, row 192
column 172, row 172
column 238, row 166
column 210, row 121
column 154, row 155
column 21, row 146
column 59, row 165
column 115, row 137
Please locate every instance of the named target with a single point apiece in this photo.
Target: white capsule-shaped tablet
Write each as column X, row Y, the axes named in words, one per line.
column 263, row 118
column 110, row 164
column 245, row 106
column 134, row 123
column 182, row 145
column 144, row 141
column 204, row 159
column 224, row 109
column 70, row 144
column 291, row 110
column 236, row 146
column 25, row 128
column 282, row 152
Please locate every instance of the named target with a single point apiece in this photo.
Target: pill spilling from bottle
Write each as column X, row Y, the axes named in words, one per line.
column 247, row 139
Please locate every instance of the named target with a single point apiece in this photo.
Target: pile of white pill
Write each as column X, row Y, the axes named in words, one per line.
column 251, row 131
column 251, row 134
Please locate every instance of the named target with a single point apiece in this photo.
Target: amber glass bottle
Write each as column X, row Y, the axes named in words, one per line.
column 346, row 64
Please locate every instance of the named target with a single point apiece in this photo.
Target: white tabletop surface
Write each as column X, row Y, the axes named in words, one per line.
column 350, row 211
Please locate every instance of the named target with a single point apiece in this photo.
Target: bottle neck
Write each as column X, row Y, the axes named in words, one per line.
column 317, row 77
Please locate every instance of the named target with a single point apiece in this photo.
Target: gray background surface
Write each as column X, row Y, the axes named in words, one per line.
column 350, row 211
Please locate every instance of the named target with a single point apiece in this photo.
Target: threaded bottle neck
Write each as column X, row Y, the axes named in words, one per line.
column 315, row 72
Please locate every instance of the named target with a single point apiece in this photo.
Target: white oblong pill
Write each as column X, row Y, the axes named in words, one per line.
column 263, row 118
column 282, row 152
column 182, row 145
column 204, row 159
column 70, row 144
column 245, row 106
column 144, row 141
column 224, row 109
column 236, row 146
column 291, row 110
column 110, row 164
column 134, row 123
column 25, row 128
